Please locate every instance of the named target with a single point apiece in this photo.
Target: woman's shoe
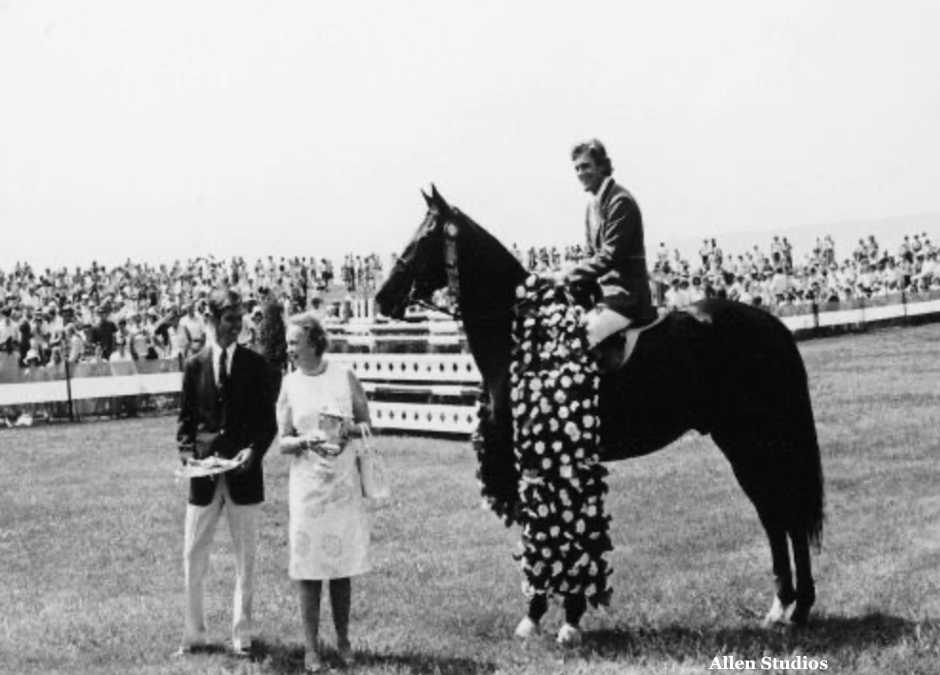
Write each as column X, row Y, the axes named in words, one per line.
column 313, row 663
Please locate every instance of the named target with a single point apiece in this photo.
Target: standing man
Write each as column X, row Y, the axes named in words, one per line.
column 193, row 328
column 102, row 335
column 616, row 257
column 225, row 407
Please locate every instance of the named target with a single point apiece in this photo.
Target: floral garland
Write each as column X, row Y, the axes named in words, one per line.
column 556, row 438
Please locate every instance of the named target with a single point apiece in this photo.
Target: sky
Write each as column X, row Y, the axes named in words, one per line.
column 165, row 129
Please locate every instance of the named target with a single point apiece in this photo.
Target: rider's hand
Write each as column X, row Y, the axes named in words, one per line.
column 553, row 277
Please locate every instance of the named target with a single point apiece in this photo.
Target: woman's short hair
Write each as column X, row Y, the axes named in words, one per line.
column 313, row 329
column 596, row 151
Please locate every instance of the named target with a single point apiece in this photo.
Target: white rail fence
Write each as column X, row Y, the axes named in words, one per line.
column 418, row 377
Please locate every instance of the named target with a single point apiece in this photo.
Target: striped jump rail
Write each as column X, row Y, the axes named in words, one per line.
column 418, row 392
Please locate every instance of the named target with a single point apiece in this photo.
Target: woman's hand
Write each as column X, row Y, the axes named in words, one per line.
column 348, row 429
column 291, row 445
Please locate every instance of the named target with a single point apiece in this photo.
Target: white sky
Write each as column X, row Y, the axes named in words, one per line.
column 174, row 128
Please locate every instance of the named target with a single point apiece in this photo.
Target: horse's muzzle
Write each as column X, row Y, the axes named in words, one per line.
column 388, row 307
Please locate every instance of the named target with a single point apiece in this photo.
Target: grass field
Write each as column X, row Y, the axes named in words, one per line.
column 91, row 541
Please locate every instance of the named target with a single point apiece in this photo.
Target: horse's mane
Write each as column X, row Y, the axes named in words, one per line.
column 489, row 272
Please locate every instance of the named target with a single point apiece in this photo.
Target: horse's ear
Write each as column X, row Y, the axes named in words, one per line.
column 427, row 199
column 438, row 200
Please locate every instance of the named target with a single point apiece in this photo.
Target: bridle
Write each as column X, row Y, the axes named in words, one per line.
column 451, row 231
column 453, row 276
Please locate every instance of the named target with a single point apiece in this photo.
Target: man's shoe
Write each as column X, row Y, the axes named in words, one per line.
column 313, row 663
column 241, row 650
column 345, row 654
column 186, row 649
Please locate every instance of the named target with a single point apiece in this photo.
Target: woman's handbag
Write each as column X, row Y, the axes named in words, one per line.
column 372, row 470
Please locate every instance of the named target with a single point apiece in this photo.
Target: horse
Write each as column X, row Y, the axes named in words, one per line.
column 720, row 367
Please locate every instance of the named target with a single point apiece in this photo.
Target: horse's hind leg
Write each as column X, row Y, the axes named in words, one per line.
column 785, row 594
column 805, row 586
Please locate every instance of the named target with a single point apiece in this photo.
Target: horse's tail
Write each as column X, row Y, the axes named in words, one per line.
column 763, row 416
column 808, row 507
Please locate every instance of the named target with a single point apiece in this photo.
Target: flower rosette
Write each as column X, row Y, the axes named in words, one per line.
column 554, row 399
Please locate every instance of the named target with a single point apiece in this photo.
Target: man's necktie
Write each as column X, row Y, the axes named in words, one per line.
column 223, row 374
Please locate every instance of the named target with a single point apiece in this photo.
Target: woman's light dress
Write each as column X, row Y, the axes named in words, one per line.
column 329, row 527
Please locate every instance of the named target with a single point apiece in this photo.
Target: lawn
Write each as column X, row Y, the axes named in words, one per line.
column 91, row 542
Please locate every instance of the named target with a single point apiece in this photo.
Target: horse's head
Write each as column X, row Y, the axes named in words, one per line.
column 419, row 270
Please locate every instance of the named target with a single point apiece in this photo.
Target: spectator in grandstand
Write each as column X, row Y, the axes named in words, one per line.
column 696, row 292
column 39, row 338
column 55, row 326
column 329, row 527
column 163, row 332
column 176, row 338
column 141, row 341
column 74, row 343
column 9, row 331
column 194, row 329
column 102, row 334
column 122, row 344
column 677, row 296
column 225, row 408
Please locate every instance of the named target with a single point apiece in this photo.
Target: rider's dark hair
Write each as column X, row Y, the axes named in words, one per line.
column 596, row 150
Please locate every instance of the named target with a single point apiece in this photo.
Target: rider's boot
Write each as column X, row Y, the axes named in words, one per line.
column 609, row 354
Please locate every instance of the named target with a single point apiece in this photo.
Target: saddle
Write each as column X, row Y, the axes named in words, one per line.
column 613, row 353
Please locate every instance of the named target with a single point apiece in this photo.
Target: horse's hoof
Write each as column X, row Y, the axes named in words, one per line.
column 569, row 636
column 800, row 615
column 777, row 614
column 527, row 628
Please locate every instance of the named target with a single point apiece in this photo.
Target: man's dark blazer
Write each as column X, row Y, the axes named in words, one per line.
column 246, row 419
column 618, row 263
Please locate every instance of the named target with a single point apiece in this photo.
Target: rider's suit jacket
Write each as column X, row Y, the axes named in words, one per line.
column 617, row 252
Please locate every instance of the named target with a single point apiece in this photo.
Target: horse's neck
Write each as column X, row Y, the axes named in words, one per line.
column 488, row 277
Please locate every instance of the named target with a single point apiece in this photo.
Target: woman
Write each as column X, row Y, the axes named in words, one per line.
column 75, row 342
column 329, row 529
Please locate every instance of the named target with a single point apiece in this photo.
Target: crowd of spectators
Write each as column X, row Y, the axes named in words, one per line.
column 138, row 311
column 775, row 276
column 361, row 273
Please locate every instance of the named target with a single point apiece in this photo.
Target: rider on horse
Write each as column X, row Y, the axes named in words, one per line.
column 616, row 257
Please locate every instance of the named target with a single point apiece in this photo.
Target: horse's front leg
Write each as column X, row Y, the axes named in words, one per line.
column 570, row 632
column 529, row 626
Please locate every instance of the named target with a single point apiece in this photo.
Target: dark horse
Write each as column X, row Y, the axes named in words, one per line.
column 722, row 368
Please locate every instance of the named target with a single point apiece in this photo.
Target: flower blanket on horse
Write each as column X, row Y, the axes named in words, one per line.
column 556, row 434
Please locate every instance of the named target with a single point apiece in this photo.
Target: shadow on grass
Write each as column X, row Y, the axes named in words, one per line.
column 823, row 635
column 281, row 658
